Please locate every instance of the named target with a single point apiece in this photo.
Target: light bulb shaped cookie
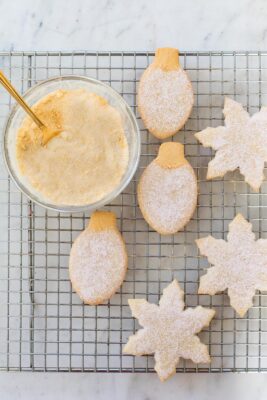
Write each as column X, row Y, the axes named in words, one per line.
column 167, row 191
column 165, row 94
column 98, row 259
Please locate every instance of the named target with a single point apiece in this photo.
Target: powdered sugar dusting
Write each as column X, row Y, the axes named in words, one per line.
column 165, row 100
column 242, row 143
column 167, row 196
column 97, row 264
column 169, row 331
column 240, row 264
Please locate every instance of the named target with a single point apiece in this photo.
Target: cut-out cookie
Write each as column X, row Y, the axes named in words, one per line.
column 241, row 143
column 169, row 331
column 165, row 94
column 167, row 191
column 240, row 264
column 98, row 259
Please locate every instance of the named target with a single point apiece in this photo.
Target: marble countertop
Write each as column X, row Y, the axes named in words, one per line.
column 132, row 25
column 64, row 386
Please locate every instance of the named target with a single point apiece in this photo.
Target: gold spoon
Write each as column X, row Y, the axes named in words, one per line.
column 47, row 133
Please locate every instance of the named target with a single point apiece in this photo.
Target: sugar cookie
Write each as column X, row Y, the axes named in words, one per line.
column 165, row 94
column 169, row 331
column 98, row 259
column 167, row 191
column 241, row 143
column 240, row 264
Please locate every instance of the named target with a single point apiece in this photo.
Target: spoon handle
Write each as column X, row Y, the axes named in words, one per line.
column 6, row 83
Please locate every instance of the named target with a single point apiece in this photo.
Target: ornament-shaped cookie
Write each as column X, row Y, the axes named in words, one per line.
column 169, row 331
column 98, row 259
column 167, row 191
column 241, row 143
column 165, row 94
column 240, row 264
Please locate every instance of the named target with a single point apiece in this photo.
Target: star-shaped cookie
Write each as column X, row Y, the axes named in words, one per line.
column 241, row 143
column 240, row 264
column 169, row 331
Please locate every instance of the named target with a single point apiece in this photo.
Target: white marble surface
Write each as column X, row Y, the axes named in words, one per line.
column 132, row 25
column 131, row 387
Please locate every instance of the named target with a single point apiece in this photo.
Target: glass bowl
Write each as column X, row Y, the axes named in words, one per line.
column 40, row 90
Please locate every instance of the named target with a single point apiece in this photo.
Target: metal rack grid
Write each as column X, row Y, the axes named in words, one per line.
column 43, row 324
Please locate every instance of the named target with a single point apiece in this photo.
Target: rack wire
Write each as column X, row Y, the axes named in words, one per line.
column 43, row 324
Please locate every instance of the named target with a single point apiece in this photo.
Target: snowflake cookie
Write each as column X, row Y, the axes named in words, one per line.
column 240, row 264
column 241, row 143
column 169, row 331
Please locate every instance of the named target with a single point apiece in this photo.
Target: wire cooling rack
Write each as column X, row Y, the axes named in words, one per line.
column 43, row 324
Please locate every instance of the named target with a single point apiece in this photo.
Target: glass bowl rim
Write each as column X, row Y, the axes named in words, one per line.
column 110, row 196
